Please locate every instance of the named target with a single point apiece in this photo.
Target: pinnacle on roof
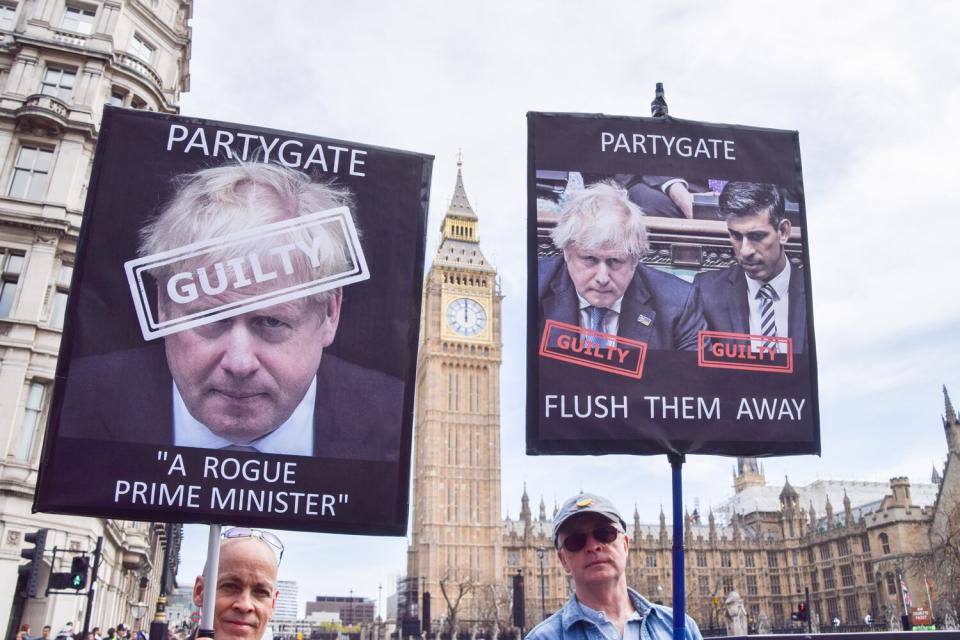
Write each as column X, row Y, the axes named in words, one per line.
column 788, row 489
column 948, row 406
column 459, row 204
column 747, row 465
column 935, row 477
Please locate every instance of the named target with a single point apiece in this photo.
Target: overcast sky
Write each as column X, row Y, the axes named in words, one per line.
column 873, row 89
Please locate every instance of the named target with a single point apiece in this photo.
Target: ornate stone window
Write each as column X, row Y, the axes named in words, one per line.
column 79, row 18
column 58, row 82
column 31, row 171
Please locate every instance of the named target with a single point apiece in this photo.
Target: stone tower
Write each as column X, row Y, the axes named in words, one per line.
column 455, row 535
column 747, row 474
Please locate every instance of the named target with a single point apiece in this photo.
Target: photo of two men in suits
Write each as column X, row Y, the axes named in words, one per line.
column 599, row 283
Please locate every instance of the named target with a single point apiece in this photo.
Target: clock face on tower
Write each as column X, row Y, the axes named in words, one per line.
column 466, row 316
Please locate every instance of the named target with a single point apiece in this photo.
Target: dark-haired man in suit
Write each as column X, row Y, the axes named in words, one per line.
column 762, row 294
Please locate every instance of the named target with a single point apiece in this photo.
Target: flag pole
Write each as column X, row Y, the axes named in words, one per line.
column 903, row 593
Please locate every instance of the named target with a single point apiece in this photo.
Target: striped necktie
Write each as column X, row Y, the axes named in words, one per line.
column 596, row 316
column 768, row 324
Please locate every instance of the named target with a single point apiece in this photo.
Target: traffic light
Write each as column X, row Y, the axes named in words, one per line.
column 425, row 612
column 802, row 611
column 78, row 572
column 518, row 613
column 34, row 556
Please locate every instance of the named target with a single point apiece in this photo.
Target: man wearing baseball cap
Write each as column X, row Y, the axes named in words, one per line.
column 591, row 541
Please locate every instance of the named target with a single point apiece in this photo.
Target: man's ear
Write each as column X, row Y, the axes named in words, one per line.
column 784, row 230
column 198, row 591
column 563, row 561
column 273, row 605
column 331, row 319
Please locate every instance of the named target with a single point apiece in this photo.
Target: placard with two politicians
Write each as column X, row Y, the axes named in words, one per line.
column 669, row 303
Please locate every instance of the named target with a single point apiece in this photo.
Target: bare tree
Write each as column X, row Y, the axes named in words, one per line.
column 941, row 565
column 455, row 586
column 494, row 606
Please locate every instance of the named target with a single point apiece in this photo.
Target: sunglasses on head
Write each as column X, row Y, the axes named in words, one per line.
column 577, row 541
column 270, row 539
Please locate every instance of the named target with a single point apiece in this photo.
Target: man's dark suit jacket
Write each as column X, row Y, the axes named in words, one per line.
column 671, row 305
column 126, row 396
column 724, row 296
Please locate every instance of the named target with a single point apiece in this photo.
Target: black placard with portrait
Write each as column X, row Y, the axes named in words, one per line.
column 669, row 301
column 240, row 341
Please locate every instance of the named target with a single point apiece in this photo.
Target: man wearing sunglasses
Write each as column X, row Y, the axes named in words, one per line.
column 592, row 545
column 246, row 584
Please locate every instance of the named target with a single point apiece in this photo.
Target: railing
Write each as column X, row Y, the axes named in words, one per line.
column 47, row 103
column 70, row 38
column 139, row 67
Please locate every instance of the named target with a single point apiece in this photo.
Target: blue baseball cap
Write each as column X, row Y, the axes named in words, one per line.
column 586, row 503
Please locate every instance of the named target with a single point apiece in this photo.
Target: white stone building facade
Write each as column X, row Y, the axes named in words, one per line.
column 61, row 61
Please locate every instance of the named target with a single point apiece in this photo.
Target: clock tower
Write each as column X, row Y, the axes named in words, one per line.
column 455, row 539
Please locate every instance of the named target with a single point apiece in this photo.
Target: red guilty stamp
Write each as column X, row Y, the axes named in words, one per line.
column 744, row 351
column 593, row 349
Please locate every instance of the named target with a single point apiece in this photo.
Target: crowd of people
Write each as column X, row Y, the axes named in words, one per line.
column 67, row 632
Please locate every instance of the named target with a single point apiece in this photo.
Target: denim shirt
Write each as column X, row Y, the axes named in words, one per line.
column 572, row 622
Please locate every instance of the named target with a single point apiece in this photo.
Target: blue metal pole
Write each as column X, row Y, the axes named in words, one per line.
column 679, row 598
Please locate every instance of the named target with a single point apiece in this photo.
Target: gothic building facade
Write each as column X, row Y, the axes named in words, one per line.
column 844, row 545
column 61, row 61
column 847, row 544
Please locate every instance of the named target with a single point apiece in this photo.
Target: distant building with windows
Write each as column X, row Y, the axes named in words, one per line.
column 61, row 61
column 350, row 609
column 286, row 610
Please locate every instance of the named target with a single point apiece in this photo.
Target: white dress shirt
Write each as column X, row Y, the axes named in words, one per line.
column 293, row 438
column 611, row 321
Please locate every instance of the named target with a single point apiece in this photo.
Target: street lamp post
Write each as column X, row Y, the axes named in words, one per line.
column 541, row 552
column 424, row 623
column 137, row 611
column 158, row 628
column 380, row 611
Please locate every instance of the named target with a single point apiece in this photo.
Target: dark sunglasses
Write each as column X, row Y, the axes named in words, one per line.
column 577, row 541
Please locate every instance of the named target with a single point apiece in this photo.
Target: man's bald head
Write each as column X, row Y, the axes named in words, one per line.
column 246, row 589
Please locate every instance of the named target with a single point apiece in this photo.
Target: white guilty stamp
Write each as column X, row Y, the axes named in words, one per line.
column 264, row 266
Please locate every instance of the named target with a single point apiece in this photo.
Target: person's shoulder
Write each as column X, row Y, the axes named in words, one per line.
column 664, row 615
column 359, row 411
column 693, row 631
column 343, row 373
column 549, row 629
column 548, row 266
column 108, row 377
column 716, row 276
column 119, row 362
column 658, row 278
